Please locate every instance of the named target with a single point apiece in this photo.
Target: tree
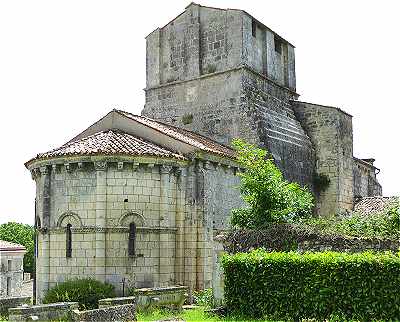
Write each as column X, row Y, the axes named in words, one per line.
column 21, row 234
column 269, row 196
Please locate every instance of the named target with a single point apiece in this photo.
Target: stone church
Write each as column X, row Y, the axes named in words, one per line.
column 136, row 200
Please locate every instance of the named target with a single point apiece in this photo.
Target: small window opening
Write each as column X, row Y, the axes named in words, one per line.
column 9, row 265
column 8, row 286
column 254, row 28
column 278, row 44
column 132, row 239
column 68, row 252
column 126, row 200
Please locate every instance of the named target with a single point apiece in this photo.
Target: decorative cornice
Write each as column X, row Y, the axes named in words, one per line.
column 118, row 229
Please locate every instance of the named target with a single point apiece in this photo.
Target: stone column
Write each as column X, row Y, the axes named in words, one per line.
column 180, row 225
column 45, row 186
column 101, row 212
column 166, row 262
column 190, row 230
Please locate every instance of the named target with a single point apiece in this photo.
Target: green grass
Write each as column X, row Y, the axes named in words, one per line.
column 196, row 314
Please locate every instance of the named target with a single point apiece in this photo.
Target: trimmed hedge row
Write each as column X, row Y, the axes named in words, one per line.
column 293, row 286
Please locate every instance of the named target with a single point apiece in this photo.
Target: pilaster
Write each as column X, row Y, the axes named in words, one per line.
column 101, row 212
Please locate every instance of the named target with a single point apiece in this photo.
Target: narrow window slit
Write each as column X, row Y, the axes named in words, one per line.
column 132, row 239
column 68, row 253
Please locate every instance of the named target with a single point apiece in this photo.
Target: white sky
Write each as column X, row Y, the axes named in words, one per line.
column 65, row 64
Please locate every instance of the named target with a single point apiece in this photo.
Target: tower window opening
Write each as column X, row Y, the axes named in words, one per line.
column 254, row 28
column 278, row 44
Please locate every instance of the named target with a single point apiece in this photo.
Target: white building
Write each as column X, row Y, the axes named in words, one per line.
column 11, row 268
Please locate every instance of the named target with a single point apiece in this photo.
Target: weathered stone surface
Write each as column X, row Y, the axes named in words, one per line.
column 174, row 207
column 46, row 312
column 10, row 302
column 331, row 133
column 223, row 74
column 170, row 297
column 124, row 312
column 116, row 301
column 242, row 88
column 364, row 179
column 11, row 269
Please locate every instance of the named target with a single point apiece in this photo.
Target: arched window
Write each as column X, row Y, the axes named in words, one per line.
column 132, row 239
column 68, row 252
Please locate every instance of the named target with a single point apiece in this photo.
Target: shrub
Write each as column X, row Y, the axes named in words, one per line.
column 86, row 291
column 204, row 297
column 269, row 196
column 21, row 234
column 293, row 286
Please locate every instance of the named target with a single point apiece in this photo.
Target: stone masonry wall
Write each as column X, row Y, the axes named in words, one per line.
column 100, row 204
column 210, row 105
column 11, row 271
column 99, row 199
column 199, row 41
column 365, row 182
column 277, row 128
column 330, row 130
column 241, row 88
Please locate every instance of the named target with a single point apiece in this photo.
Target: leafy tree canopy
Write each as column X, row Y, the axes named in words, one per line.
column 21, row 234
column 269, row 196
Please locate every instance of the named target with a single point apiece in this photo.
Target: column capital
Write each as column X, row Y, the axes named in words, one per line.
column 35, row 173
column 165, row 169
column 44, row 170
column 120, row 166
column 100, row 165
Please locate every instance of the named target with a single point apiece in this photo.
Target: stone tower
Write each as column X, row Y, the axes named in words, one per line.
column 225, row 75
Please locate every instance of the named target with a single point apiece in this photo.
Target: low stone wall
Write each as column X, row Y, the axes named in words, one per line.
column 289, row 237
column 10, row 302
column 43, row 312
column 116, row 301
column 171, row 297
column 124, row 312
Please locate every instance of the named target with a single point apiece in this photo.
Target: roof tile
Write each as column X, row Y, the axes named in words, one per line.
column 374, row 205
column 110, row 142
column 199, row 141
column 5, row 245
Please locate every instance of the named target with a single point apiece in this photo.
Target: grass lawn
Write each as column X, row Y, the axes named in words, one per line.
column 195, row 314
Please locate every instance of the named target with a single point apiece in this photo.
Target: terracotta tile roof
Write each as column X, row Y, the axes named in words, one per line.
column 110, row 142
column 199, row 141
column 8, row 246
column 373, row 205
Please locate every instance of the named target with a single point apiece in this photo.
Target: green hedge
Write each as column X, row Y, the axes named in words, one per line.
column 293, row 286
column 86, row 291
